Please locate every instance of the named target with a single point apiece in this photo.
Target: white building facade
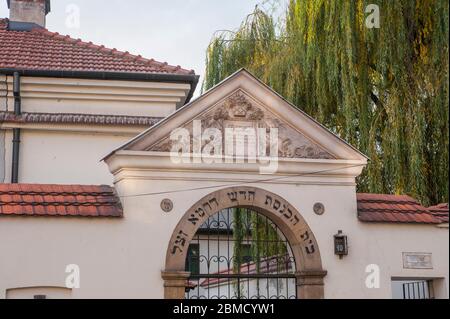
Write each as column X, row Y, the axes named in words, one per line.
column 145, row 237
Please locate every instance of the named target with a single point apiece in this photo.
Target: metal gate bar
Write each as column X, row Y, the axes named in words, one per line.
column 240, row 254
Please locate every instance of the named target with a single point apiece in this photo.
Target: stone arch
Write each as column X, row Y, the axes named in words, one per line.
column 304, row 246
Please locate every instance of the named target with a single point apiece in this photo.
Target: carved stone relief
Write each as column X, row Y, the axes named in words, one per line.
column 239, row 108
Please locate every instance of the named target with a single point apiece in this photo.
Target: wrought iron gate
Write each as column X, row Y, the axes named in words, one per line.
column 240, row 254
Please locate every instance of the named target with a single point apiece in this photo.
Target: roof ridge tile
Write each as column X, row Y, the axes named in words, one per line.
column 393, row 208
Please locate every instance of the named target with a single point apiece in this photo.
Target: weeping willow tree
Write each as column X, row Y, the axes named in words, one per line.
column 266, row 246
column 385, row 90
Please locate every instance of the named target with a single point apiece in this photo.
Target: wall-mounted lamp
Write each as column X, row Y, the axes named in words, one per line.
column 340, row 244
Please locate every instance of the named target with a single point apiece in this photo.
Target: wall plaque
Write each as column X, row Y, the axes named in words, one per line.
column 417, row 261
column 166, row 205
column 319, row 208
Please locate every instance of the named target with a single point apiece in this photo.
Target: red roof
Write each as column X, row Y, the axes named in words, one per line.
column 40, row 49
column 394, row 209
column 59, row 200
column 440, row 211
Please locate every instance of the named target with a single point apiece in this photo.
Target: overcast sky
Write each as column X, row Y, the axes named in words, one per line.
column 175, row 31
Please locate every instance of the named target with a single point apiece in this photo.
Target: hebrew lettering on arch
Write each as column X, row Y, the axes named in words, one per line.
column 276, row 204
column 175, row 248
column 305, row 236
column 268, row 200
column 206, row 204
column 214, row 200
column 232, row 196
column 286, row 211
column 296, row 220
column 181, row 238
column 200, row 212
column 310, row 249
column 179, row 242
column 193, row 219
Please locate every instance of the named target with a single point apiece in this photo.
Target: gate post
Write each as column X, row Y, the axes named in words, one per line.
column 310, row 284
column 174, row 283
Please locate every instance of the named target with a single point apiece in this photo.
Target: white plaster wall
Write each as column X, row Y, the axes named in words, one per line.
column 36, row 251
column 55, row 153
column 61, row 157
column 124, row 257
column 380, row 244
column 48, row 292
column 85, row 96
column 2, row 155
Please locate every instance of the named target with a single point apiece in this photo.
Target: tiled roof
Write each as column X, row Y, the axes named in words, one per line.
column 40, row 49
column 440, row 211
column 59, row 200
column 393, row 209
column 68, row 118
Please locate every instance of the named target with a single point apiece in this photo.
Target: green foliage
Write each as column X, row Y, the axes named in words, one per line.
column 384, row 90
column 239, row 233
column 251, row 227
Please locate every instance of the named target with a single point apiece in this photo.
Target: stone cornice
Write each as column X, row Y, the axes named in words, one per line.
column 140, row 163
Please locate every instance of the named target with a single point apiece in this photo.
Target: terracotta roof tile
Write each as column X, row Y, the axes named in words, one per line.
column 440, row 211
column 59, row 200
column 396, row 209
column 40, row 49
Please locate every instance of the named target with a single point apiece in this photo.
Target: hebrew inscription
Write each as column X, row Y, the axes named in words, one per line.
column 310, row 246
column 272, row 205
column 179, row 242
column 206, row 208
column 282, row 209
column 246, row 195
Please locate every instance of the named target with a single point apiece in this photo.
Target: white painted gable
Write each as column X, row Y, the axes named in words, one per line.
column 242, row 100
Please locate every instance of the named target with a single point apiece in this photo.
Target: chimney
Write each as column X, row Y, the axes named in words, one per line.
column 27, row 14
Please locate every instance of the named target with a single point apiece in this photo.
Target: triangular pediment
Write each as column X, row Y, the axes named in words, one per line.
column 240, row 110
column 243, row 101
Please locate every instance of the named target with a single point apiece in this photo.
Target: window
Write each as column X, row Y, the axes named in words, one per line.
column 193, row 259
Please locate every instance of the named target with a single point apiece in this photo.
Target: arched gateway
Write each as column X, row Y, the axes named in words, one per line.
column 301, row 241
column 282, row 141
